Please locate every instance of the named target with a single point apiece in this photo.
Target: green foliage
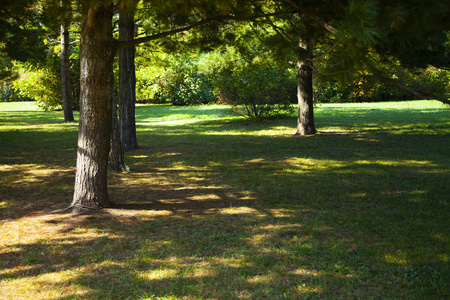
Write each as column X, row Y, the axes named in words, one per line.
column 259, row 92
column 185, row 85
column 8, row 94
column 328, row 92
column 43, row 85
column 43, row 81
column 8, row 73
column 22, row 32
column 148, row 84
column 177, row 80
column 367, row 88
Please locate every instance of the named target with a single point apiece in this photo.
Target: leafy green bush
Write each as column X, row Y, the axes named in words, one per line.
column 43, row 86
column 42, row 83
column 258, row 92
column 149, row 84
column 328, row 92
column 432, row 80
column 8, row 94
column 183, row 84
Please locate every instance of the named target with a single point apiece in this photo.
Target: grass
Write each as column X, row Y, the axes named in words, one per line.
column 216, row 207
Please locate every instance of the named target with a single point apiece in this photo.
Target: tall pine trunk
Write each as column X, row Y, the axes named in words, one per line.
column 305, row 120
column 96, row 56
column 65, row 73
column 127, row 84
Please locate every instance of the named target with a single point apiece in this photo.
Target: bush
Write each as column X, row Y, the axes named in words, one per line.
column 258, row 92
column 149, row 85
column 328, row 92
column 41, row 85
column 8, row 94
column 183, row 84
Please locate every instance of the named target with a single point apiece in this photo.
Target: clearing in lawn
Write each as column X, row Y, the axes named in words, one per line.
column 216, row 207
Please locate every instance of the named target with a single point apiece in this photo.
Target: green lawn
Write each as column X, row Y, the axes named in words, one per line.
column 218, row 207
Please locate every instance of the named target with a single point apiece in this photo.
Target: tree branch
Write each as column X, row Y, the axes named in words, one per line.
column 124, row 44
column 400, row 85
column 318, row 20
column 327, row 52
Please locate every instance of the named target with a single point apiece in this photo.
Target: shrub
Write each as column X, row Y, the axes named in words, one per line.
column 8, row 94
column 328, row 92
column 42, row 85
column 183, row 84
column 258, row 92
column 149, row 84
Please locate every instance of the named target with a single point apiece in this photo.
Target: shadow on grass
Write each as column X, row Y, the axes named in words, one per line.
column 233, row 211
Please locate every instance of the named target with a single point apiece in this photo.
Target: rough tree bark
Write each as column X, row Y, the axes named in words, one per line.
column 96, row 56
column 65, row 74
column 305, row 120
column 116, row 158
column 127, row 83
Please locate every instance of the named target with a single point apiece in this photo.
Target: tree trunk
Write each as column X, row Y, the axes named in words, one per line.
column 96, row 59
column 116, row 159
column 65, row 74
column 305, row 120
column 127, row 84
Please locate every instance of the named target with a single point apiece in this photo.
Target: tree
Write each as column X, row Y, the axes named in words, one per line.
column 97, row 51
column 97, row 55
column 65, row 73
column 116, row 157
column 305, row 120
column 127, row 82
column 349, row 32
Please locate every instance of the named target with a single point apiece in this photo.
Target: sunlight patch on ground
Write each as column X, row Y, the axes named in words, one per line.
column 236, row 211
column 139, row 156
column 143, row 214
column 182, row 121
column 205, row 197
column 395, row 259
column 304, row 164
column 158, row 274
column 256, row 160
column 31, row 172
column 160, row 155
column 304, row 272
column 55, row 285
column 263, row 279
column 398, row 163
column 44, row 228
column 281, row 213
